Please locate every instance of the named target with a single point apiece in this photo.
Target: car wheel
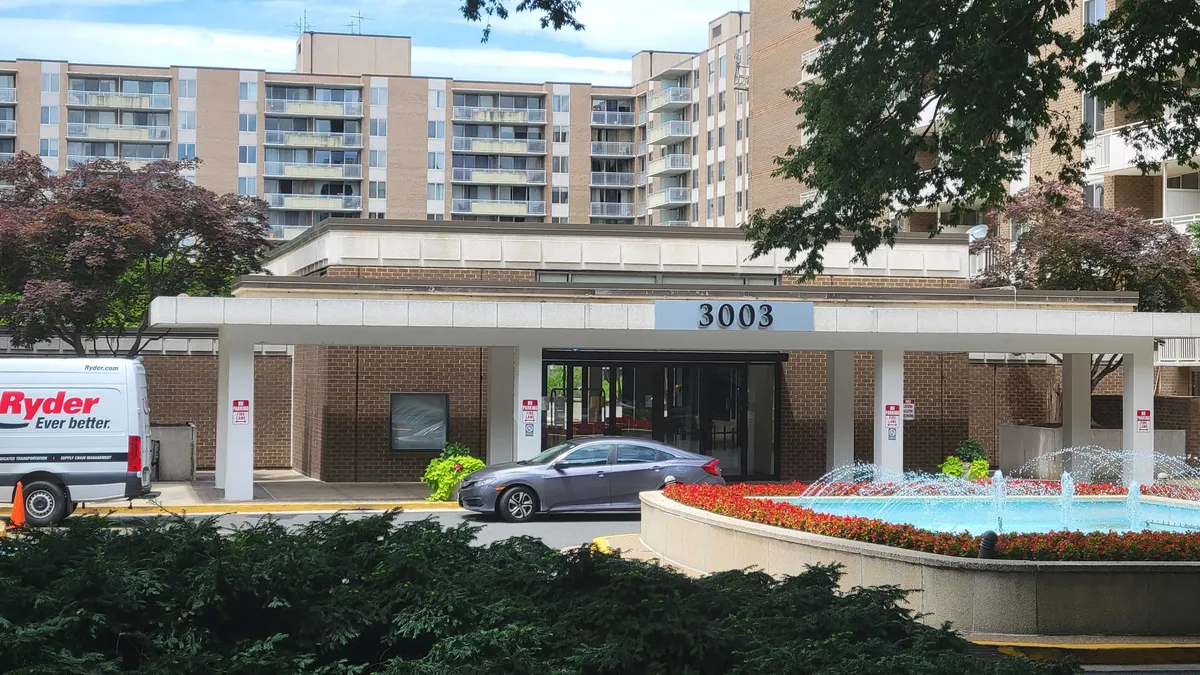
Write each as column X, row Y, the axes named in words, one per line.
column 518, row 504
column 45, row 503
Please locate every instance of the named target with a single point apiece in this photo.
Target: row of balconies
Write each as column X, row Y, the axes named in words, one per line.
column 492, row 115
column 312, row 170
column 314, row 139
column 118, row 99
column 314, row 108
column 118, row 132
column 498, row 207
column 313, row 202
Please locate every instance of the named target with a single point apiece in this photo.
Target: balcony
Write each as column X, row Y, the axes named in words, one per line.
column 133, row 163
column 1110, row 153
column 116, row 99
column 500, row 146
column 8, row 95
column 612, row 179
column 604, row 118
column 314, row 108
column 314, row 139
column 643, row 118
column 8, row 127
column 670, row 165
column 499, row 176
column 118, row 132
column 672, row 98
column 612, row 209
column 320, row 171
column 612, row 149
column 497, row 207
column 467, row 113
column 314, row 202
column 670, row 198
column 667, row 133
column 643, row 179
column 673, row 223
column 6, row 156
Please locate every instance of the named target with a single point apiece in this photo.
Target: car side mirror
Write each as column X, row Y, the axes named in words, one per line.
column 561, row 464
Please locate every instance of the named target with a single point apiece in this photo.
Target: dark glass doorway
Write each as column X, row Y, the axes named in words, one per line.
column 724, row 406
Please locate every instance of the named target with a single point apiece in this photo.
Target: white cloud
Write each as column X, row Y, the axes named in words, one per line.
column 518, row 66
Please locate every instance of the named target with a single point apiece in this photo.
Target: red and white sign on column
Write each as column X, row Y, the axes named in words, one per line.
column 891, row 415
column 241, row 411
column 910, row 409
column 1143, row 421
column 529, row 413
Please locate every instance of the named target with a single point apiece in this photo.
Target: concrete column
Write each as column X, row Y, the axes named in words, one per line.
column 236, row 444
column 839, row 411
column 222, row 409
column 889, row 412
column 1137, row 435
column 1077, row 400
column 527, row 440
column 502, row 416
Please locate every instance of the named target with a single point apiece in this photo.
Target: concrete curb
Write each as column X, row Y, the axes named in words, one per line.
column 1101, row 654
column 253, row 507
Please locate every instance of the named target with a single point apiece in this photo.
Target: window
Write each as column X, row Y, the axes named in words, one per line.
column 435, row 191
column 739, row 202
column 635, row 454
column 589, row 455
column 739, row 166
column 721, row 137
column 710, row 209
column 558, row 195
column 721, row 102
column 439, row 97
column 436, row 160
column 186, row 151
column 562, row 133
column 247, row 91
column 187, row 89
column 739, row 130
column 247, row 122
column 435, row 216
column 695, row 212
column 710, row 139
column 48, row 147
column 721, row 67
column 246, row 185
column 187, row 119
column 560, row 165
column 712, row 70
column 747, row 127
column 49, row 114
column 710, row 173
column 50, row 84
column 437, row 129
column 1094, row 195
column 695, row 178
column 716, row 33
column 247, row 154
column 1094, row 12
column 720, row 170
column 379, row 95
column 378, row 127
column 710, row 105
column 562, row 103
column 1093, row 112
column 376, row 215
column 721, row 206
column 376, row 189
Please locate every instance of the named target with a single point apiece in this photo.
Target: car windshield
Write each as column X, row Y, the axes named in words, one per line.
column 546, row 456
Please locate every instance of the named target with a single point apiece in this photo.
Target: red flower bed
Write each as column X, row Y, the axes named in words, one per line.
column 733, row 501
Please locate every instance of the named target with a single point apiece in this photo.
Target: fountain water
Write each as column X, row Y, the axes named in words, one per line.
column 1067, row 501
column 999, row 497
column 1133, row 506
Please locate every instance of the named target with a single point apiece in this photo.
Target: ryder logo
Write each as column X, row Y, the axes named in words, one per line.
column 49, row 412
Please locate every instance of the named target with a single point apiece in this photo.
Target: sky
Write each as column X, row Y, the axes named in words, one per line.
column 260, row 34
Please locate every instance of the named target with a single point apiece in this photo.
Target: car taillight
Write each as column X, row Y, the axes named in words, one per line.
column 712, row 468
column 134, row 461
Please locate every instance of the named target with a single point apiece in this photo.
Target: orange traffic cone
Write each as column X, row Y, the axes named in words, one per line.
column 17, row 517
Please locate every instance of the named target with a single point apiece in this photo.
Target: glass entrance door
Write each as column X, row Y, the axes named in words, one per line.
column 722, row 415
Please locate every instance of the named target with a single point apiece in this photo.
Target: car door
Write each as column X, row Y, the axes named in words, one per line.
column 636, row 468
column 579, row 479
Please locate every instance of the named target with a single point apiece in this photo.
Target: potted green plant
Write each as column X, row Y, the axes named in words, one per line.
column 969, row 461
column 448, row 469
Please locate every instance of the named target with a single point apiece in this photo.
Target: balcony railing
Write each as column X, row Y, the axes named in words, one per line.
column 490, row 115
column 673, row 223
column 612, row 149
column 8, row 127
column 118, row 99
column 8, row 95
column 315, row 108
column 1178, row 351
column 130, row 162
column 314, row 202
column 670, row 164
column 605, row 118
column 500, row 176
column 5, row 156
column 643, row 178
column 612, row 179
column 670, row 132
column 314, row 139
column 498, row 207
column 643, row 118
column 118, row 132
column 317, row 170
column 673, row 97
column 670, row 197
column 612, row 210
column 500, row 146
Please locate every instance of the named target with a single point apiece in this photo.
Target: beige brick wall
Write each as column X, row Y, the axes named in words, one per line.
column 1068, row 107
column 217, row 129
column 579, row 192
column 408, row 147
column 1141, row 193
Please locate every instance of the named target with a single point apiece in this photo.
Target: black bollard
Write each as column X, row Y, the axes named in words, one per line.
column 987, row 545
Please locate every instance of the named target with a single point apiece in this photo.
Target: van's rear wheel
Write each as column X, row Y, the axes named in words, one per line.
column 45, row 503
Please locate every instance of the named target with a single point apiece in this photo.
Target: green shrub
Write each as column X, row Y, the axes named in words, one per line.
column 371, row 596
column 978, row 469
column 953, row 467
column 446, row 471
column 970, row 450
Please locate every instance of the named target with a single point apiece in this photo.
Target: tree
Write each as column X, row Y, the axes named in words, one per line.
column 556, row 14
column 82, row 254
column 1067, row 245
column 972, row 83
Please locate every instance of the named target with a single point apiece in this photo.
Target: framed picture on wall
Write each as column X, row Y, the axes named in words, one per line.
column 420, row 421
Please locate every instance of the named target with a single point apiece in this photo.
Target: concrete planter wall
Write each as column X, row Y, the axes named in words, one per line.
column 976, row 596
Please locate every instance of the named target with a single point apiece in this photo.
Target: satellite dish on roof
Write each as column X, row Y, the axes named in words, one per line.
column 976, row 233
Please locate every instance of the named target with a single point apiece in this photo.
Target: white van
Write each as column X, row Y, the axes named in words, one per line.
column 73, row 430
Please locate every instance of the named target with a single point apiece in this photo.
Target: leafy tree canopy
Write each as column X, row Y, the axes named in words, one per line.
column 82, row 254
column 972, row 83
column 556, row 14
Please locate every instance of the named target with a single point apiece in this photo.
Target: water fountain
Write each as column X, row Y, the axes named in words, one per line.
column 1133, row 506
column 1067, row 500
column 999, row 497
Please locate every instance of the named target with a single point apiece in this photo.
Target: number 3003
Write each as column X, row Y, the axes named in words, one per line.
column 726, row 315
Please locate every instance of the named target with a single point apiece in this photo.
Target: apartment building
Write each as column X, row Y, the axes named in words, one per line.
column 351, row 133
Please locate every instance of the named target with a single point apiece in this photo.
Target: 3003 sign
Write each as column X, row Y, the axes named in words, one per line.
column 733, row 315
column 727, row 315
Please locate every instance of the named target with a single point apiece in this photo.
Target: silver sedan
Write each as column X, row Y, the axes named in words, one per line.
column 589, row 474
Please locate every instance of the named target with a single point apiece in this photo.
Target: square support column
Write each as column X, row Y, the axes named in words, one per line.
column 502, row 416
column 889, row 418
column 1137, row 411
column 839, row 411
column 527, row 441
column 235, row 435
column 1077, row 400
